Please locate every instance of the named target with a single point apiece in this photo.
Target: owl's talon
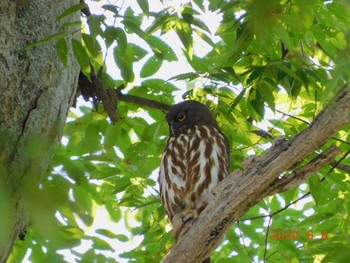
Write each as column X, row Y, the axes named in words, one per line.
column 188, row 215
column 183, row 221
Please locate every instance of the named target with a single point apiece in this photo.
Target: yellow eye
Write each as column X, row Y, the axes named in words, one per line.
column 182, row 117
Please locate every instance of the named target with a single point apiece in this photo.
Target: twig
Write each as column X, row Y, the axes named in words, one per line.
column 338, row 162
column 277, row 211
column 242, row 238
column 297, row 177
column 266, row 237
column 292, row 116
column 86, row 11
column 341, row 166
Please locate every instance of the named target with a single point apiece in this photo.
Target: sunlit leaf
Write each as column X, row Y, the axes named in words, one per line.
column 157, row 24
column 151, row 67
column 92, row 45
column 81, row 56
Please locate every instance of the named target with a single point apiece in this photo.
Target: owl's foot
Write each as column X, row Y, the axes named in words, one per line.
column 188, row 215
column 183, row 221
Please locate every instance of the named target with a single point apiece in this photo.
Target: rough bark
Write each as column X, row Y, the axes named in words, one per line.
column 261, row 177
column 36, row 91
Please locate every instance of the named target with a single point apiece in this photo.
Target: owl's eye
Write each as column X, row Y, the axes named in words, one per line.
column 181, row 117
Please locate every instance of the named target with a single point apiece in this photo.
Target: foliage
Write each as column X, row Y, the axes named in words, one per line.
column 271, row 64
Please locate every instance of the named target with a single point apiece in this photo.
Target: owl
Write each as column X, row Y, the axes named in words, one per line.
column 196, row 157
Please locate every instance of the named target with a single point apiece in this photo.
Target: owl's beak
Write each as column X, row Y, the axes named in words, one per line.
column 173, row 130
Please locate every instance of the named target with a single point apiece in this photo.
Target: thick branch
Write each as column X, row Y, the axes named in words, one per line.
column 243, row 189
column 143, row 101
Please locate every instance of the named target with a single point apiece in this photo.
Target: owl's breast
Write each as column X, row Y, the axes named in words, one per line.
column 192, row 164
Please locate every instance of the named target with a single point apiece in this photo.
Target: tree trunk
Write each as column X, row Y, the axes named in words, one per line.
column 36, row 91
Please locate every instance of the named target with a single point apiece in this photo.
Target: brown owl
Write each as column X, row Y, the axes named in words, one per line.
column 195, row 159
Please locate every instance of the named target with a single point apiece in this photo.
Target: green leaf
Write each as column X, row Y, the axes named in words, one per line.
column 73, row 232
column 200, row 24
column 132, row 27
column 62, row 50
column 161, row 49
column 160, row 20
column 238, row 99
column 322, row 36
column 110, row 234
column 95, row 22
column 204, row 64
column 324, row 16
column 92, row 138
column 121, row 38
column 121, row 185
column 295, row 88
column 143, row 5
column 257, row 102
column 284, row 35
column 267, row 92
column 190, row 76
column 46, row 40
column 340, row 10
column 125, row 65
column 72, row 10
column 100, row 244
column 315, row 219
column 111, row 8
column 114, row 211
column 184, row 32
column 316, row 189
column 205, row 37
column 92, row 45
column 110, row 35
column 135, row 52
column 125, row 59
column 151, row 66
column 256, row 74
column 159, row 85
column 187, row 13
column 81, row 56
column 75, row 170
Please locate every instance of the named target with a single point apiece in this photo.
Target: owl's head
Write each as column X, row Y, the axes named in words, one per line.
column 187, row 114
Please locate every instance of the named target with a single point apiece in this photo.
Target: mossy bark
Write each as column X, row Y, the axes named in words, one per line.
column 36, row 92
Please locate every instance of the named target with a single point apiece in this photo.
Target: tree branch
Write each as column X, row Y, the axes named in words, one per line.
column 243, row 189
column 109, row 97
column 142, row 101
column 341, row 166
column 297, row 177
